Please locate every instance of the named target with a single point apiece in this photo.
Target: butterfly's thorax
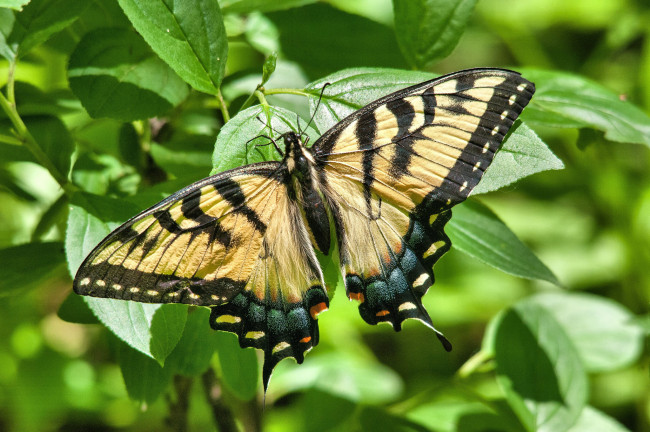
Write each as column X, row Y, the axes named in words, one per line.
column 305, row 187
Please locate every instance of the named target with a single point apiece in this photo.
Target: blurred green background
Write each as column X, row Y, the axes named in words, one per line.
column 589, row 223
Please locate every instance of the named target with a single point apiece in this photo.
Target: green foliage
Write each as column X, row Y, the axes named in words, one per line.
column 109, row 106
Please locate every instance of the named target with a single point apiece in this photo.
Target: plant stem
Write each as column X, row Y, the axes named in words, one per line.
column 286, row 91
column 260, row 96
column 223, row 107
column 11, row 94
column 249, row 101
column 473, row 364
column 178, row 409
column 28, row 141
column 223, row 415
column 10, row 140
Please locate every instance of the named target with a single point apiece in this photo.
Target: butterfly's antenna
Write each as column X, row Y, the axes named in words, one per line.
column 268, row 125
column 271, row 141
column 298, row 123
column 317, row 104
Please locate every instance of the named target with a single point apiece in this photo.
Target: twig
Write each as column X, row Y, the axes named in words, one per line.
column 223, row 415
column 178, row 409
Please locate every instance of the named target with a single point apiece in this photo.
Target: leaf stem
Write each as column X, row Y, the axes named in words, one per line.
column 473, row 364
column 249, row 101
column 11, row 93
column 223, row 107
column 260, row 96
column 10, row 140
column 286, row 91
column 26, row 138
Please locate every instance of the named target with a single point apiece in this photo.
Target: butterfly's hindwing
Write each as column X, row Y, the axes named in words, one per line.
column 393, row 170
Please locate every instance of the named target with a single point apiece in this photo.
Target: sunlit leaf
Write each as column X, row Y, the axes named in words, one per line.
column 477, row 231
column 115, row 74
column 523, row 153
column 613, row 341
column 245, row 6
column 189, row 36
column 539, row 369
column 234, row 146
column 40, row 19
column 428, row 30
column 566, row 100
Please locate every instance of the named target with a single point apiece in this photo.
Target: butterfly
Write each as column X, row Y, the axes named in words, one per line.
column 378, row 186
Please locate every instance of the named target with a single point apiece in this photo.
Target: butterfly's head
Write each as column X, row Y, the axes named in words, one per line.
column 297, row 156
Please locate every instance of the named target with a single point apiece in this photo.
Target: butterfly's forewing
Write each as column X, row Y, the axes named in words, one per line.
column 234, row 241
column 393, row 170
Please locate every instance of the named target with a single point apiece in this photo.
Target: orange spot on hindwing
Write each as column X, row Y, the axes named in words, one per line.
column 317, row 309
column 357, row 296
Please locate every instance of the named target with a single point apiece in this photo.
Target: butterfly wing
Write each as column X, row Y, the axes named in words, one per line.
column 234, row 241
column 391, row 172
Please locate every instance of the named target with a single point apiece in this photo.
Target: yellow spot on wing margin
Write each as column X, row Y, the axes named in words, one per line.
column 280, row 347
column 230, row 319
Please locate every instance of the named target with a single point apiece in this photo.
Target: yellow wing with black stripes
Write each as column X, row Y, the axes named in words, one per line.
column 234, row 241
column 391, row 172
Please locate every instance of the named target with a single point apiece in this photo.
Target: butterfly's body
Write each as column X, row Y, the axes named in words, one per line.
column 383, row 181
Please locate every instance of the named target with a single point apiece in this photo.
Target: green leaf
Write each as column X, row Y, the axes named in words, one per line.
column 40, row 19
column 523, row 153
column 152, row 329
column 145, row 379
column 185, row 155
column 477, row 231
column 53, row 138
column 91, row 218
column 30, row 101
column 245, row 6
column 566, row 100
column 233, row 148
column 322, row 40
column 75, row 310
column 26, row 266
column 192, row 354
column 115, row 74
column 352, row 89
column 269, row 67
column 539, row 369
column 592, row 420
column 375, row 419
column 7, row 19
column 262, row 34
column 189, row 36
column 322, row 412
column 239, row 371
column 129, row 146
column 428, row 30
column 461, row 412
column 13, row 4
column 613, row 341
column 351, row 376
